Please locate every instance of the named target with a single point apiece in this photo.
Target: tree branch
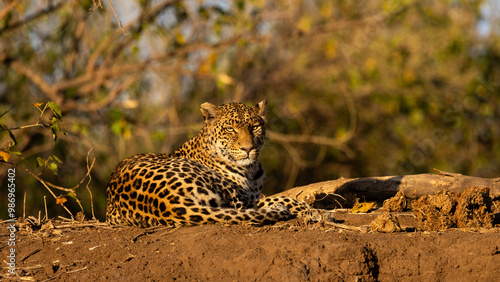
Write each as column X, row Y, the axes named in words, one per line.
column 8, row 8
column 94, row 106
column 51, row 7
column 384, row 187
column 49, row 185
column 36, row 78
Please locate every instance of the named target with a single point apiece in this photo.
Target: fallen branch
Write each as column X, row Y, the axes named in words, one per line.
column 347, row 227
column 384, row 187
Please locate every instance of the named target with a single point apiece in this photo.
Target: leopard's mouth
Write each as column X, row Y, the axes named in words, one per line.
column 240, row 157
column 245, row 161
column 244, row 158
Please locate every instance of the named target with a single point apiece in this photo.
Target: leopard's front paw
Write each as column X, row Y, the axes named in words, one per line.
column 316, row 215
column 280, row 209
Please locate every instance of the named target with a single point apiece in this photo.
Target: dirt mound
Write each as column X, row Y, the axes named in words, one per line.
column 398, row 203
column 435, row 212
column 469, row 209
column 286, row 251
column 386, row 222
column 474, row 209
column 244, row 253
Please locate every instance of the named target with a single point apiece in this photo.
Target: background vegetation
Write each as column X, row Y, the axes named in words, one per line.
column 354, row 88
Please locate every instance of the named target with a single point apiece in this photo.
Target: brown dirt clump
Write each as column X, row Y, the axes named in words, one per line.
column 469, row 209
column 435, row 212
column 396, row 203
column 387, row 223
column 474, row 209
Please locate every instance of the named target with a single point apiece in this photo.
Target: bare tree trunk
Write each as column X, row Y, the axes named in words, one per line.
column 384, row 187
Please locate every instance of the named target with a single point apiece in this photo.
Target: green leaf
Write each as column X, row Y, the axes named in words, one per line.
column 16, row 153
column 55, row 129
column 53, row 167
column 55, row 109
column 72, row 195
column 56, row 159
column 12, row 137
column 40, row 162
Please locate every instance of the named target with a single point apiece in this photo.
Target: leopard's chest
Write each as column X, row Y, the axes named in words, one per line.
column 244, row 184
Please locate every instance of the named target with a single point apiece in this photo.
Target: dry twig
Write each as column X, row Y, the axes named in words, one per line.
column 348, row 227
column 89, row 168
column 51, row 7
column 114, row 12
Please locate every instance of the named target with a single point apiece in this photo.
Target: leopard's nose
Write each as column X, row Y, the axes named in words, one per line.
column 245, row 142
column 247, row 149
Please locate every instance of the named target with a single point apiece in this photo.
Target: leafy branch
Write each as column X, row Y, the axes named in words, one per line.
column 53, row 124
column 52, row 162
column 71, row 192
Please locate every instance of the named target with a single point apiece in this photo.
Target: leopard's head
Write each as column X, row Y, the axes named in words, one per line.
column 235, row 131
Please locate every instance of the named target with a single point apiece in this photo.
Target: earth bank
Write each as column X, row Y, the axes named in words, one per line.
column 282, row 252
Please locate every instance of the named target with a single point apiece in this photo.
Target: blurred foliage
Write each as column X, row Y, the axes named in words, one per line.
column 354, row 89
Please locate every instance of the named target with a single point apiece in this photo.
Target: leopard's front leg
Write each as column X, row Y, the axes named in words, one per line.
column 296, row 208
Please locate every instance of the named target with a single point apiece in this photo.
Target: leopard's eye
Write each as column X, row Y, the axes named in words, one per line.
column 229, row 129
column 256, row 127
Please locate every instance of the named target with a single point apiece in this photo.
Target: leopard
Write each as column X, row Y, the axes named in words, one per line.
column 215, row 177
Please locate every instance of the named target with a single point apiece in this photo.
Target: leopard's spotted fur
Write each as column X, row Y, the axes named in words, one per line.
column 214, row 177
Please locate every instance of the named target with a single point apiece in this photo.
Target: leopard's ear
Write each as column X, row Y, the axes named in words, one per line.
column 261, row 108
column 210, row 112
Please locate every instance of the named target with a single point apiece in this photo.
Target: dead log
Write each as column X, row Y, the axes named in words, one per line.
column 323, row 194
